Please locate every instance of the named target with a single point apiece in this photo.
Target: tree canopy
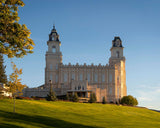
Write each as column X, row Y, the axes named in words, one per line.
column 3, row 76
column 129, row 100
column 15, row 85
column 14, row 37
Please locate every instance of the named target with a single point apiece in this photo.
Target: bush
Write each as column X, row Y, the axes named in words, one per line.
column 104, row 100
column 67, row 97
column 93, row 98
column 129, row 100
column 75, row 98
column 51, row 97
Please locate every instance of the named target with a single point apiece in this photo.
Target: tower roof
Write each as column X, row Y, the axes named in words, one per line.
column 117, row 42
column 53, row 35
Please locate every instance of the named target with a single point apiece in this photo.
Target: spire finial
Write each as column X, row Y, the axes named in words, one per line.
column 54, row 26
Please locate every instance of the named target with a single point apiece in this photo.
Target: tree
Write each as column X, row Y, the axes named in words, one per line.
column 67, row 97
column 75, row 98
column 14, row 37
column 129, row 100
column 93, row 98
column 1, row 91
column 3, row 76
column 104, row 100
column 15, row 85
column 51, row 96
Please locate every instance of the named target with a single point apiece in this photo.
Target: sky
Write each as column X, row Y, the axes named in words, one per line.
column 86, row 29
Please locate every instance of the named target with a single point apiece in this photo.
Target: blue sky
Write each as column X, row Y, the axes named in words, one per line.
column 86, row 29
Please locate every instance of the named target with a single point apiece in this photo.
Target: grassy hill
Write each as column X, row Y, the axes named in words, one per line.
column 44, row 114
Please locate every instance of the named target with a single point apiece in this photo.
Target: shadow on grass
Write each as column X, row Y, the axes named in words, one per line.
column 41, row 121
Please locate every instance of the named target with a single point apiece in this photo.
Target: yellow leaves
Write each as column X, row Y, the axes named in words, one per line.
column 15, row 37
column 14, row 83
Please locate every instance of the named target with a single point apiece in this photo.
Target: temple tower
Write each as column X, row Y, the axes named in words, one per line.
column 53, row 58
column 117, row 62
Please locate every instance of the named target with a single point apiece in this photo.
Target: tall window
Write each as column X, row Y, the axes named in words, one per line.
column 65, row 77
column 52, row 37
column 117, row 54
column 81, row 77
column 56, row 66
column 95, row 77
column 88, row 77
column 56, row 78
column 110, row 90
column 53, row 49
column 110, row 77
column 103, row 77
column 73, row 76
column 50, row 67
column 50, row 77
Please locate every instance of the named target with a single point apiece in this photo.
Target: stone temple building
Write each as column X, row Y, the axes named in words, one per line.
column 107, row 81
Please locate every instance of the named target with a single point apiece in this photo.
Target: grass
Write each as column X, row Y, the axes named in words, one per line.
column 44, row 114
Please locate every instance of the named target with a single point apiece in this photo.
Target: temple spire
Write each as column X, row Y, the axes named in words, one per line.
column 54, row 26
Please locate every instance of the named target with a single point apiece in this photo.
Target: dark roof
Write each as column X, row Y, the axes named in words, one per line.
column 117, row 38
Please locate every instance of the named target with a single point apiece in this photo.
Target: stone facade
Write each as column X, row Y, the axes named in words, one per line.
column 107, row 81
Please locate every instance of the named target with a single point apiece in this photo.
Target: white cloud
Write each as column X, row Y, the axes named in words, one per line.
column 148, row 96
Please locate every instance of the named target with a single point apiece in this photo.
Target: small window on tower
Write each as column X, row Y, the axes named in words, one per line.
column 52, row 37
column 117, row 54
column 53, row 49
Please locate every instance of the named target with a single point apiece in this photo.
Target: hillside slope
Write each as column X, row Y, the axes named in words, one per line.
column 43, row 114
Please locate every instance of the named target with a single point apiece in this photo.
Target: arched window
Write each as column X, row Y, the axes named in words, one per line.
column 53, row 49
column 52, row 37
column 117, row 54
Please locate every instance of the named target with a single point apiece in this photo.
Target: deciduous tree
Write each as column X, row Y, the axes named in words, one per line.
column 15, row 85
column 14, row 37
column 129, row 100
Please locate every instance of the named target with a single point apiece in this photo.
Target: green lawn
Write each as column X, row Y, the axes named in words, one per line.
column 44, row 114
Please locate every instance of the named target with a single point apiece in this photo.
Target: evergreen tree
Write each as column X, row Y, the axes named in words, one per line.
column 1, row 91
column 67, row 97
column 3, row 76
column 93, row 98
column 51, row 96
column 104, row 100
column 75, row 97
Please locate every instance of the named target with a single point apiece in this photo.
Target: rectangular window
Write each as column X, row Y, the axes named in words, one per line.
column 110, row 90
column 110, row 78
column 56, row 66
column 65, row 77
column 81, row 77
column 88, row 77
column 56, row 78
column 95, row 77
column 103, row 77
column 50, row 67
column 73, row 76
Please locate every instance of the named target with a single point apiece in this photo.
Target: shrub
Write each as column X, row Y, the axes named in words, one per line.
column 51, row 97
column 67, row 97
column 129, row 100
column 75, row 98
column 104, row 100
column 93, row 98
